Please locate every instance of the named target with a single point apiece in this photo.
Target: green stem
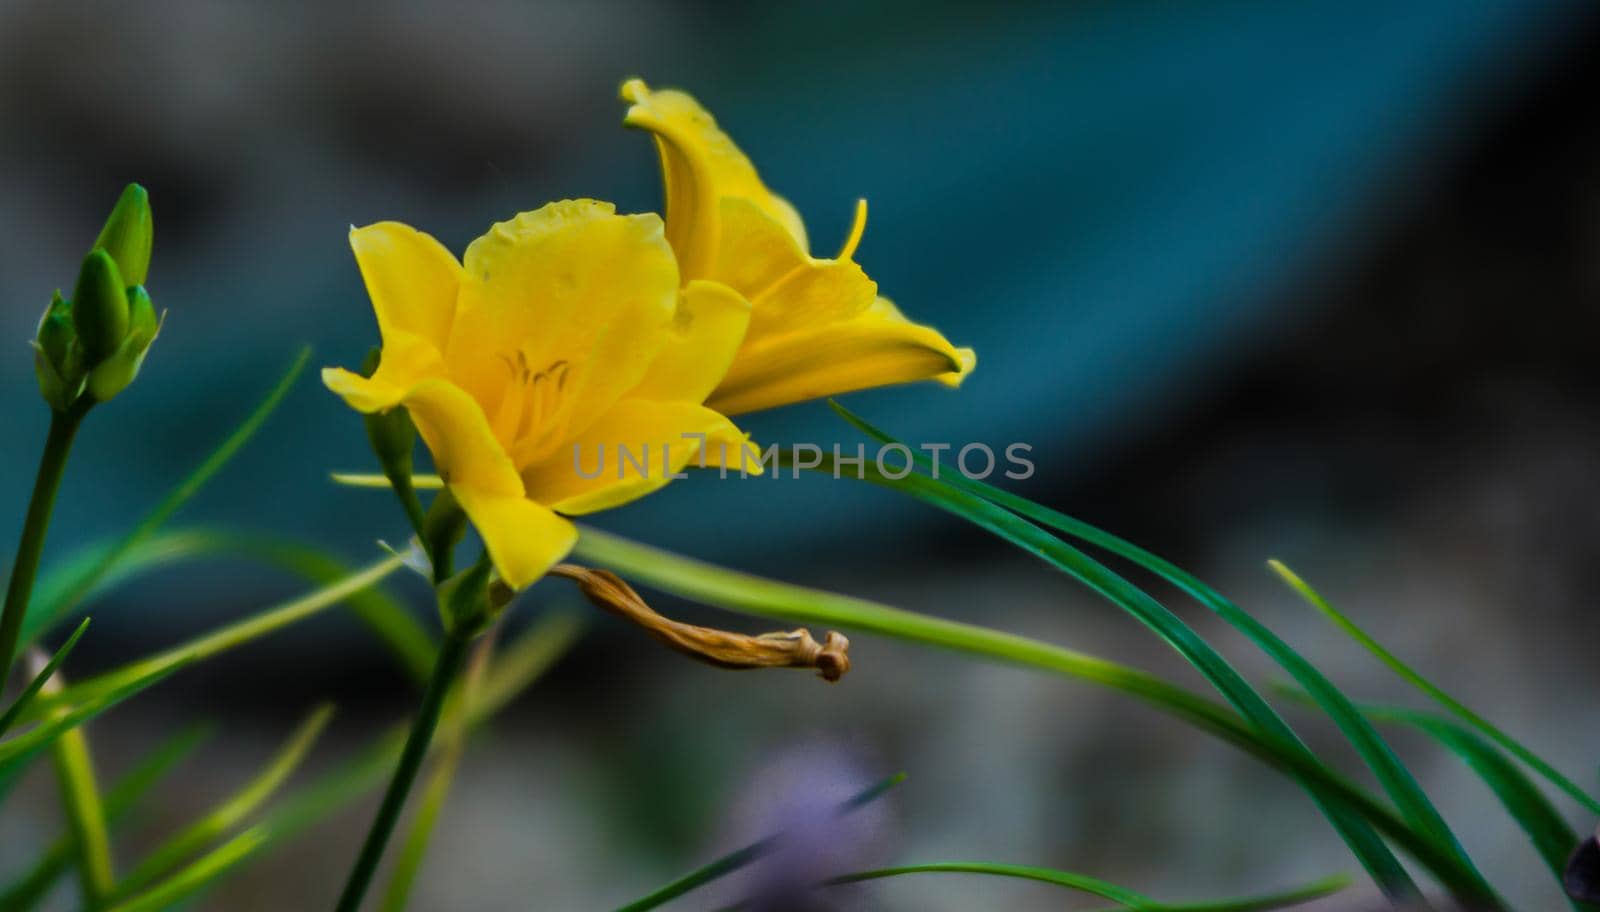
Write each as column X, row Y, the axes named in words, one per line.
column 452, row 654
column 407, row 493
column 63, row 427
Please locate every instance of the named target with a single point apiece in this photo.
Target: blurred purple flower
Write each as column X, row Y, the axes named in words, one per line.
column 798, row 797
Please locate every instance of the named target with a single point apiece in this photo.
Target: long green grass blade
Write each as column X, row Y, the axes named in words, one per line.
column 753, row 595
column 186, row 488
column 32, row 887
column 20, row 746
column 228, row 637
column 386, row 617
column 1282, row 900
column 1079, row 882
column 14, row 711
column 1406, row 673
column 1392, row 774
column 1129, row 899
column 739, row 858
column 1552, row 838
column 1544, row 826
column 231, row 812
column 1369, row 849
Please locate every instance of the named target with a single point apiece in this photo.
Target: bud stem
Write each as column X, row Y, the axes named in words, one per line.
column 452, row 655
column 63, row 428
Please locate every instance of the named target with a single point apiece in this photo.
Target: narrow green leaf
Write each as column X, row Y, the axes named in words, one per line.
column 739, row 858
column 1128, row 898
column 1512, row 746
column 189, row 486
column 748, row 594
column 1369, row 849
column 30, row 889
column 1080, row 882
column 228, row 814
column 12, row 749
column 1282, row 900
column 1392, row 774
column 1544, row 826
column 386, row 617
column 1552, row 838
column 226, row 638
column 14, row 711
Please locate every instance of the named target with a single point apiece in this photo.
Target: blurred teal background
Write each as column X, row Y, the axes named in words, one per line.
column 1311, row 280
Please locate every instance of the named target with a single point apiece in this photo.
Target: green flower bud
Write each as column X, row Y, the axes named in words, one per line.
column 56, row 335
column 128, row 234
column 100, row 307
column 113, row 375
column 57, row 356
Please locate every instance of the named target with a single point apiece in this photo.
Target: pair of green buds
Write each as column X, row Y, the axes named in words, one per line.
column 89, row 348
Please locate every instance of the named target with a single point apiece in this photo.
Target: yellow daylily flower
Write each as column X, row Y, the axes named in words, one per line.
column 561, row 330
column 817, row 326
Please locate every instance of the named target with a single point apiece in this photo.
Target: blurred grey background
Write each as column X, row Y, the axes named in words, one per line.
column 1315, row 281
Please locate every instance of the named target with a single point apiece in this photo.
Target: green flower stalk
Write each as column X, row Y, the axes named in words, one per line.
column 86, row 351
column 467, row 609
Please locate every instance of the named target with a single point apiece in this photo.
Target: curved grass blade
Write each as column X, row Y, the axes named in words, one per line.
column 739, row 858
column 1391, row 773
column 537, row 650
column 30, row 889
column 225, row 816
column 386, row 617
column 1434, row 692
column 1550, row 835
column 754, row 595
column 224, row 638
column 1369, row 849
column 188, row 487
column 1079, row 882
column 14, row 711
column 40, row 736
column 1128, row 898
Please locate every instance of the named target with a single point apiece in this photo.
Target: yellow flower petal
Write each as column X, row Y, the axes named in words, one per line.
column 411, row 278
column 700, row 165
column 707, row 331
column 564, row 307
column 524, row 539
column 787, row 288
column 878, row 348
column 407, row 360
column 653, row 435
column 464, row 449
